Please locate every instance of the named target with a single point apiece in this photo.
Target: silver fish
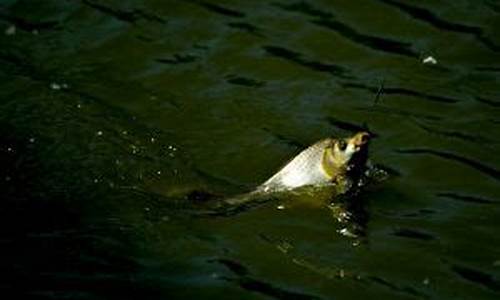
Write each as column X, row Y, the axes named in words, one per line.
column 327, row 161
column 339, row 161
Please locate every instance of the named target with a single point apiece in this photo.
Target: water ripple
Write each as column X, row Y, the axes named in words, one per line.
column 414, row 234
column 427, row 16
column 466, row 198
column 455, row 134
column 490, row 171
column 488, row 102
column 328, row 20
column 247, row 27
column 255, row 285
column 129, row 16
column 402, row 91
column 215, row 8
column 30, row 25
column 476, row 276
column 348, row 126
column 298, row 58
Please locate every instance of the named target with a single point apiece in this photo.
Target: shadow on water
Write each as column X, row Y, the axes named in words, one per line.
column 46, row 243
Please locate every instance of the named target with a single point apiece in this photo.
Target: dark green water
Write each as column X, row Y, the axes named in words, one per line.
column 113, row 112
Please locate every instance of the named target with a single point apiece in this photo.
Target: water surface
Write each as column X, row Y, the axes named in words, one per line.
column 117, row 116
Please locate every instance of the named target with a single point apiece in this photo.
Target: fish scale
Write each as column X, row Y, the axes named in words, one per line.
column 305, row 169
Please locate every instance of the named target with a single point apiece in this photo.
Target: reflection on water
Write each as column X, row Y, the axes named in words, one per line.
column 124, row 123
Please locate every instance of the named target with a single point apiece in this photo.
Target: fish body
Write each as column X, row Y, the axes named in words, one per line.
column 305, row 169
column 339, row 161
column 327, row 161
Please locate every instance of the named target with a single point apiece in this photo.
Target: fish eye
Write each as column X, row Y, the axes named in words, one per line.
column 342, row 145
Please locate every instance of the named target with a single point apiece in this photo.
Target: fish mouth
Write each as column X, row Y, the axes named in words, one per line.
column 360, row 140
column 357, row 162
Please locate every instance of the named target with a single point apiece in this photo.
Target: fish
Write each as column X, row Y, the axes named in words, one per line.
column 331, row 161
column 327, row 161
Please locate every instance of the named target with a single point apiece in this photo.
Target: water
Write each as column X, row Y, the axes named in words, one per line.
column 117, row 116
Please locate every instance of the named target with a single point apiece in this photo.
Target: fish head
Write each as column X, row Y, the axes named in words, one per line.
column 350, row 152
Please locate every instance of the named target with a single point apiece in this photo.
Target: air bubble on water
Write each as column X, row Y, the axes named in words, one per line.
column 165, row 218
column 429, row 60
column 124, row 132
column 426, row 281
column 11, row 30
column 99, row 133
column 55, row 86
column 153, row 140
column 78, row 105
column 32, row 140
column 9, row 149
column 58, row 86
column 147, row 208
column 284, row 246
column 341, row 273
column 34, row 32
column 280, row 207
column 134, row 149
column 96, row 180
column 158, row 172
column 346, row 232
